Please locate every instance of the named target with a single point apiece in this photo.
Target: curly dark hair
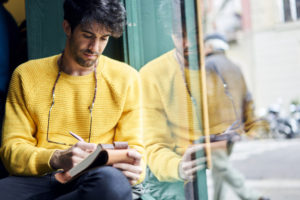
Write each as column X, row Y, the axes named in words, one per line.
column 109, row 13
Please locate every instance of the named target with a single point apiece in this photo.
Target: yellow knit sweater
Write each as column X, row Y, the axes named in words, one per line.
column 169, row 121
column 116, row 114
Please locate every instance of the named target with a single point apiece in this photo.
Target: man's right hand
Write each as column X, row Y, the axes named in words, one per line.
column 66, row 159
column 188, row 165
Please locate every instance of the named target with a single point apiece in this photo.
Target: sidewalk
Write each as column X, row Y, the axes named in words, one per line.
column 271, row 167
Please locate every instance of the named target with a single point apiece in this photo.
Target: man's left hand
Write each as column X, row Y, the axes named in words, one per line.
column 131, row 171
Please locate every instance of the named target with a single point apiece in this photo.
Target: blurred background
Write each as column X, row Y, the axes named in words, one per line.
column 265, row 42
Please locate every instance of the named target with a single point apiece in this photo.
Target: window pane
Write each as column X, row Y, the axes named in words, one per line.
column 267, row 67
column 171, row 83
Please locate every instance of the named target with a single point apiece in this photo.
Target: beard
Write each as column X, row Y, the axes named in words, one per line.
column 77, row 55
column 82, row 62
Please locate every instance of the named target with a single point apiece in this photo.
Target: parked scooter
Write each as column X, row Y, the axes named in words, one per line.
column 295, row 117
column 280, row 126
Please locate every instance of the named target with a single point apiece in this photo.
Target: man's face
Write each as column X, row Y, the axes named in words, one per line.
column 87, row 43
column 185, row 43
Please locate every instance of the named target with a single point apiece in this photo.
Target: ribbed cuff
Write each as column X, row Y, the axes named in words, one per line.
column 43, row 161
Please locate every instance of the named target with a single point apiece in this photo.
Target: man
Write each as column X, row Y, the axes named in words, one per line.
column 230, row 105
column 172, row 116
column 81, row 91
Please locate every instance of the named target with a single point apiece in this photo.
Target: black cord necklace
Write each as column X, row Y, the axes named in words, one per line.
column 60, row 66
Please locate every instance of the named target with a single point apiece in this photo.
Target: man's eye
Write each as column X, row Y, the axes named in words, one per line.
column 87, row 36
column 104, row 38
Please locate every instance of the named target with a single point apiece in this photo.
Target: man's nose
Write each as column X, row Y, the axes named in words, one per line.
column 186, row 43
column 190, row 41
column 94, row 45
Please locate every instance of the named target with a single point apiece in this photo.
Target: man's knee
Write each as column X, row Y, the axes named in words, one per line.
column 110, row 183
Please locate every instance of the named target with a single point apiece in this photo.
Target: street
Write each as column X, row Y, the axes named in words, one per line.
column 271, row 167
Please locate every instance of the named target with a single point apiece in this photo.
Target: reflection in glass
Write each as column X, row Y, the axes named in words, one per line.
column 172, row 109
column 173, row 114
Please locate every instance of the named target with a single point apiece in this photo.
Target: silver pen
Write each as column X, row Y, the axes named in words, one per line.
column 76, row 136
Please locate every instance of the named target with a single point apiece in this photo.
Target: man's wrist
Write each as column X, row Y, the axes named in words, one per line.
column 54, row 161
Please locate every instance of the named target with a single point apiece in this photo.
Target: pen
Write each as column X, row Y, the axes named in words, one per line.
column 76, row 136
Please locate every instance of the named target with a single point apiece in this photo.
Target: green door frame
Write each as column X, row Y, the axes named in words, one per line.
column 133, row 47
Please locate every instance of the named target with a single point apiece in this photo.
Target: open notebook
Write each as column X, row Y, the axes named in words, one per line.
column 105, row 154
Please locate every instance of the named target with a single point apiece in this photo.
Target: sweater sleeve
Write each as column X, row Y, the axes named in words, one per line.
column 162, row 160
column 19, row 152
column 129, row 126
column 253, row 125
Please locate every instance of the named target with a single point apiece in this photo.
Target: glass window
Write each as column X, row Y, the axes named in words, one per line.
column 237, row 76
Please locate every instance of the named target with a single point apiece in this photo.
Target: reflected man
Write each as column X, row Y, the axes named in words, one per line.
column 172, row 115
column 171, row 123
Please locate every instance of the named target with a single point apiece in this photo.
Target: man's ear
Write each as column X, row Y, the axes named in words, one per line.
column 67, row 28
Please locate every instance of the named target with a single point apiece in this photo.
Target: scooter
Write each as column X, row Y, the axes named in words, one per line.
column 280, row 126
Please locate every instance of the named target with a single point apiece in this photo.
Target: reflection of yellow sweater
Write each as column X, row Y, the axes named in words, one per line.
column 167, row 116
column 170, row 122
column 116, row 114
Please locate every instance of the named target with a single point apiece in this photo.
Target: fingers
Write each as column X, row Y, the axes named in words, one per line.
column 191, row 172
column 89, row 147
column 188, row 168
column 132, row 172
column 191, row 150
column 66, row 159
column 195, row 148
column 136, row 156
column 189, row 178
column 194, row 163
column 78, row 152
column 131, row 176
column 132, row 182
column 76, row 160
column 128, row 167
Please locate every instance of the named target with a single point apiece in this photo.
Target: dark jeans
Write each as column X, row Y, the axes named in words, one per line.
column 101, row 183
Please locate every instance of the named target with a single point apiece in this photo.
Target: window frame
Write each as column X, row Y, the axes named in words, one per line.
column 292, row 8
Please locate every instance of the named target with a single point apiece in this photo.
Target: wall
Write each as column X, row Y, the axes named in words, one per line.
column 269, row 55
column 277, row 60
column 276, row 53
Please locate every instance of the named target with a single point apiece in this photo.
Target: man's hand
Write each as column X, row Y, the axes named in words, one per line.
column 131, row 171
column 188, row 166
column 66, row 159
